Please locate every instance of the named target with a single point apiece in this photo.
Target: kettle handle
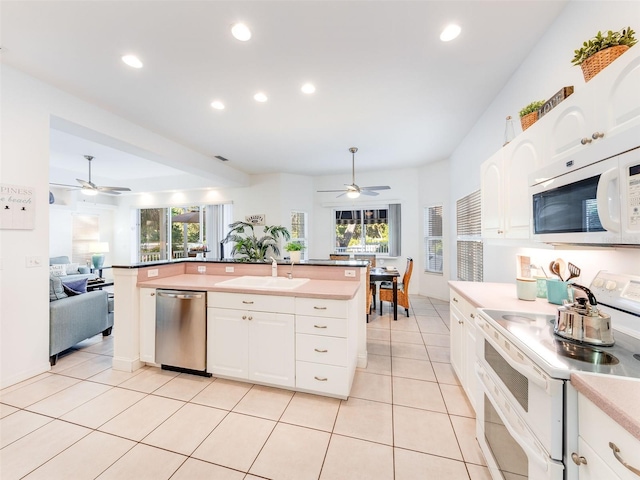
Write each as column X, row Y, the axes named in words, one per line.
column 590, row 295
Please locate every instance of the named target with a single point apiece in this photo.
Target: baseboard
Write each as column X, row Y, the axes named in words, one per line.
column 26, row 375
column 126, row 365
column 362, row 360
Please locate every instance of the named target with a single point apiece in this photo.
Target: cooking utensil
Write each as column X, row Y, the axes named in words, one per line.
column 562, row 267
column 574, row 271
column 555, row 269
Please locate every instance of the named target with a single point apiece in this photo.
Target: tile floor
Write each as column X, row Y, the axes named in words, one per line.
column 407, row 418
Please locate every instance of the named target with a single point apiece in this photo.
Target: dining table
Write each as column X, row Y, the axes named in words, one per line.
column 382, row 274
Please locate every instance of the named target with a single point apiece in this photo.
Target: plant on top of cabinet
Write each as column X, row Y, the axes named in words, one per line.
column 251, row 248
column 599, row 51
column 529, row 114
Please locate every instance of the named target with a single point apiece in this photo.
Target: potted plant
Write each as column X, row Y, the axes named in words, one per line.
column 529, row 114
column 251, row 248
column 599, row 51
column 295, row 251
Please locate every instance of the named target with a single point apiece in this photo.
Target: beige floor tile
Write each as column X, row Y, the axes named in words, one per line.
column 84, row 460
column 445, row 373
column 477, row 472
column 371, row 386
column 143, row 462
column 21, row 423
column 408, row 350
column 34, row 392
column 353, row 459
column 377, row 364
column 24, row 383
column 66, row 400
column 236, row 441
column 379, row 321
column 456, row 401
column 114, row 377
column 6, row 410
column 183, row 387
column 432, row 325
column 411, row 368
column 436, row 339
column 404, row 323
column 366, row 420
column 149, row 380
column 194, row 469
column 313, row 411
column 101, row 409
column 439, row 354
column 142, row 418
column 379, row 334
column 265, row 402
column 379, row 347
column 102, row 347
column 89, row 342
column 292, row 453
column 31, row 451
column 400, row 336
column 186, row 429
column 417, row 394
column 424, row 310
column 91, row 367
column 222, row 393
column 420, row 466
column 72, row 359
column 465, row 430
column 425, row 431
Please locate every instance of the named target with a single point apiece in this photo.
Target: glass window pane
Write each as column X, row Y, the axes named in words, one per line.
column 153, row 234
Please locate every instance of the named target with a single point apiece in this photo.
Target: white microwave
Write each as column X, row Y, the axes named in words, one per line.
column 577, row 202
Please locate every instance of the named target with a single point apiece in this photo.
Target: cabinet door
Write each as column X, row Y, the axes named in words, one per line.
column 148, row 325
column 457, row 339
column 595, row 468
column 471, row 384
column 227, row 345
column 571, row 126
column 491, row 191
column 272, row 348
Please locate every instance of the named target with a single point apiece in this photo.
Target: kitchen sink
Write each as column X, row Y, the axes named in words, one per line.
column 264, row 283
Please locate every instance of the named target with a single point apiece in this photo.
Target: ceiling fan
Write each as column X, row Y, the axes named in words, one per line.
column 353, row 190
column 90, row 188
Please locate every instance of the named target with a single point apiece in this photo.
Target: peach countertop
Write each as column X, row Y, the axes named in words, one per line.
column 330, row 289
column 615, row 396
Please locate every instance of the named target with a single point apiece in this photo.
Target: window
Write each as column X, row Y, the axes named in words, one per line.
column 469, row 241
column 433, row 243
column 369, row 230
column 86, row 231
column 299, row 230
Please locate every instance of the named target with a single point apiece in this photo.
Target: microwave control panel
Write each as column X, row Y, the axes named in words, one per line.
column 633, row 194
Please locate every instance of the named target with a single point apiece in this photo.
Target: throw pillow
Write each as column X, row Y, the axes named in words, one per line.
column 56, row 291
column 59, row 270
column 75, row 286
column 72, row 268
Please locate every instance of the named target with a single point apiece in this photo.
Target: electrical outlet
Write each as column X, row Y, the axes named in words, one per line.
column 202, row 269
column 349, row 273
column 228, row 269
column 381, row 261
column 152, row 272
column 34, row 262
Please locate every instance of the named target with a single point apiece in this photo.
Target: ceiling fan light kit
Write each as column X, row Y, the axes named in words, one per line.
column 353, row 190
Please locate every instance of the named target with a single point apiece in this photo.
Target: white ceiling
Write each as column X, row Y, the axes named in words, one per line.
column 385, row 82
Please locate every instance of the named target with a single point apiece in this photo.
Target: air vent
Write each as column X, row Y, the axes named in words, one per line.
column 220, row 157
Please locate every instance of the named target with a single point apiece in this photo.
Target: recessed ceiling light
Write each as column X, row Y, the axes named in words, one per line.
column 308, row 88
column 217, row 104
column 450, row 32
column 132, row 61
column 241, row 32
column 260, row 97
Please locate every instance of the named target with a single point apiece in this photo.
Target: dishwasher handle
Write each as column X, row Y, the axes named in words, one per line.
column 190, row 296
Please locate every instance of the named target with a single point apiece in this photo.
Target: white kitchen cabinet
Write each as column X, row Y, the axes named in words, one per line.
column 248, row 343
column 598, row 433
column 148, row 325
column 492, row 193
column 462, row 337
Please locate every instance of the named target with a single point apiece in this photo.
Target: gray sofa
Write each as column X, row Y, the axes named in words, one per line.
column 75, row 318
column 71, row 274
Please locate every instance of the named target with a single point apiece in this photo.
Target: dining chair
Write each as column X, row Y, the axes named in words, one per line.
column 369, row 300
column 386, row 289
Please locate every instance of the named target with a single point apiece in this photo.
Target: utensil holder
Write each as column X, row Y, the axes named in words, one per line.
column 557, row 291
column 541, row 287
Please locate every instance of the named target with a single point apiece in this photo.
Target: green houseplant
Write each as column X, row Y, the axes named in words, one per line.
column 248, row 246
column 599, row 51
column 529, row 114
column 295, row 250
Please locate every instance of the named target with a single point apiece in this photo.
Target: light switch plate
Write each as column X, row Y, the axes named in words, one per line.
column 33, row 262
column 349, row 273
column 152, row 273
column 228, row 269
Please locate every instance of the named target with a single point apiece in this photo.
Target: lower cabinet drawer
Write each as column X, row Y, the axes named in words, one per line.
column 331, row 327
column 320, row 378
column 319, row 349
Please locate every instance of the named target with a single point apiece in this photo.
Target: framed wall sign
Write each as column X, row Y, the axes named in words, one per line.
column 257, row 219
column 17, row 207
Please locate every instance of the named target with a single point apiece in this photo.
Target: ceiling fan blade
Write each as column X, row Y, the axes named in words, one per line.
column 378, row 187
column 342, row 194
column 331, row 191
column 114, row 189
column 370, row 193
column 86, row 184
column 64, row 185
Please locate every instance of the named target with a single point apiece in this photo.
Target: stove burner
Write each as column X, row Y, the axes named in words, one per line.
column 518, row 319
column 585, row 354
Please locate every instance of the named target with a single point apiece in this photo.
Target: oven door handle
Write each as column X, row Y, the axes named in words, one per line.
column 526, row 370
column 533, row 452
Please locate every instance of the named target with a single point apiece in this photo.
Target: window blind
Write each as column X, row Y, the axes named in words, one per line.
column 85, row 231
column 469, row 249
column 433, row 243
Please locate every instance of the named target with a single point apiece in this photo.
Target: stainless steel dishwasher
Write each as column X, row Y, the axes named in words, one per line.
column 181, row 331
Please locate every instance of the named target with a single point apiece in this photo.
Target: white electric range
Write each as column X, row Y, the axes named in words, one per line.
column 527, row 411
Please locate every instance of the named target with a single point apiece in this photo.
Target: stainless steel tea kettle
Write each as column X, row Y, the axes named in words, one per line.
column 583, row 322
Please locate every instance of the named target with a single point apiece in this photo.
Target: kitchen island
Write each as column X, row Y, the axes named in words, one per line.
column 308, row 337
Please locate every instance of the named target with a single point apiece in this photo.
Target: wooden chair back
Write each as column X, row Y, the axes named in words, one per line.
column 339, row 256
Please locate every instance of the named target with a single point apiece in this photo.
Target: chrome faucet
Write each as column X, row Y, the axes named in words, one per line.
column 290, row 274
column 274, row 267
